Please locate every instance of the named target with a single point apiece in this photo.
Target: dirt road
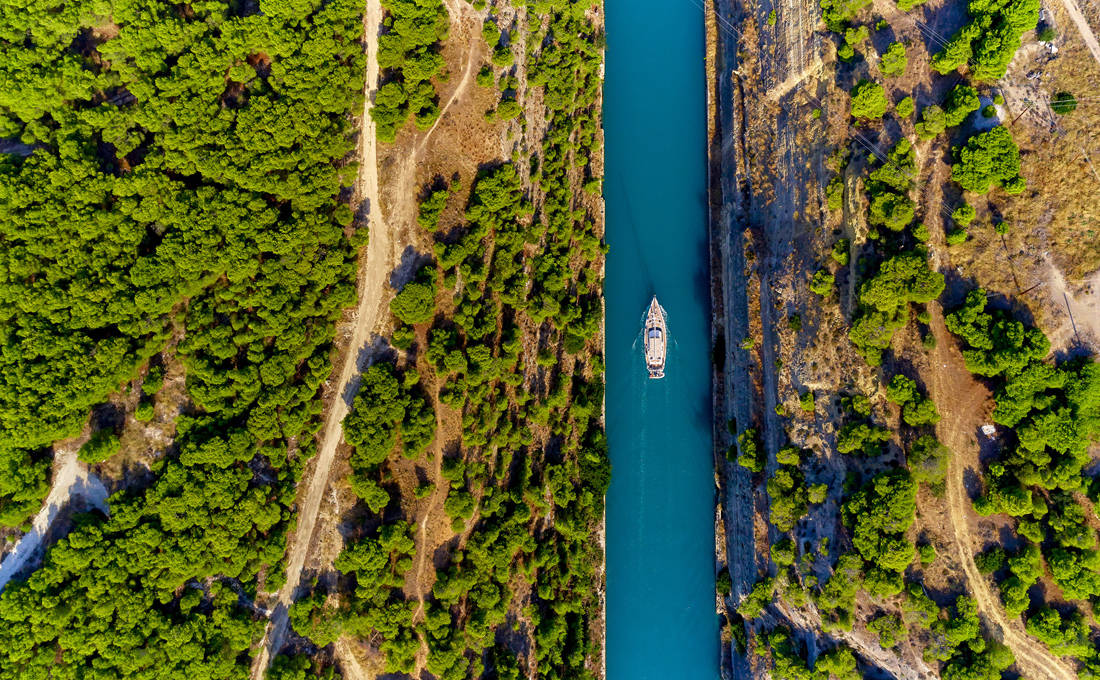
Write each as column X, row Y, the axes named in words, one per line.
column 381, row 258
column 1083, row 27
column 71, row 480
column 962, row 401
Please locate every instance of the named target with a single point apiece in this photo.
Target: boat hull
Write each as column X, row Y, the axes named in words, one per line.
column 656, row 340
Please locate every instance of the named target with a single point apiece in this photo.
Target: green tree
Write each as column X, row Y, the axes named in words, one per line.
column 868, row 100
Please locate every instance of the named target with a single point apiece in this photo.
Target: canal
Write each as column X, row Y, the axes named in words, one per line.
column 661, row 622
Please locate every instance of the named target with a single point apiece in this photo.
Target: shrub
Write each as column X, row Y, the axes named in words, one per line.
column 841, row 251
column 928, row 460
column 1063, row 103
column 933, row 121
column 834, row 193
column 990, row 560
column 837, row 12
column 782, row 552
column 817, row 493
column 485, row 76
column 905, row 108
column 960, row 103
column 145, row 411
column 416, row 301
column 893, row 60
column 889, row 629
column 750, row 451
column 822, row 282
column 927, row 553
column 771, row 18
column 806, row 401
column 1047, row 34
column 723, row 584
column 761, row 595
column 868, row 100
column 956, row 236
column 963, row 215
column 100, row 446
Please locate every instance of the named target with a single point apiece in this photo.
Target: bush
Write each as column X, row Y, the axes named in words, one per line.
column 861, row 438
column 834, row 193
column 963, row 215
column 1063, row 103
column 933, row 121
column 868, row 100
column 485, row 76
column 838, row 12
column 956, row 236
column 928, row 460
column 723, row 583
column 893, row 60
column 806, row 401
column 783, row 553
column 889, row 629
column 960, row 103
column 927, row 553
column 416, row 301
column 905, row 108
column 100, row 446
column 145, row 411
column 822, row 282
column 762, row 594
column 751, row 451
column 841, row 252
column 990, row 560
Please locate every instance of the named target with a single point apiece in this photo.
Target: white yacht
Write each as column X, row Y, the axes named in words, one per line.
column 656, row 340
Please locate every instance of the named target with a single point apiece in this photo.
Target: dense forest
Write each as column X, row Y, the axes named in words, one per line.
column 177, row 177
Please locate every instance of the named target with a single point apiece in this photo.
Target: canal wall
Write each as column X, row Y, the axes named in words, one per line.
column 728, row 191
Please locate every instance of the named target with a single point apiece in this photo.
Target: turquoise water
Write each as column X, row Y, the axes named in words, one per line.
column 661, row 622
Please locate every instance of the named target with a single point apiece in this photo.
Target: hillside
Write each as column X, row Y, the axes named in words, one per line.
column 885, row 170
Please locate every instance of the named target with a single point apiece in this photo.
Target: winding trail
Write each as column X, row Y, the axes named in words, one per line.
column 383, row 255
column 962, row 401
column 1083, row 27
column 379, row 261
column 71, row 480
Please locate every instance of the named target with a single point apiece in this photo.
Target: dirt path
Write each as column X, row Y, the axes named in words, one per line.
column 381, row 258
column 962, row 401
column 458, row 12
column 71, row 480
column 1083, row 27
column 349, row 664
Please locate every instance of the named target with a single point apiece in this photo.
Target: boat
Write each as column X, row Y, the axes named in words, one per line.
column 656, row 340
